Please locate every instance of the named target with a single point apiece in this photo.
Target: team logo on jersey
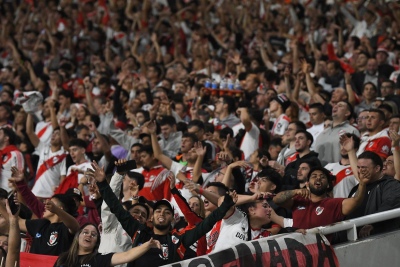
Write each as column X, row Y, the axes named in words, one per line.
column 278, row 126
column 347, row 171
column 175, row 240
column 152, row 178
column 319, row 210
column 53, row 239
column 371, row 144
column 38, row 235
column 385, row 149
column 164, row 250
column 301, row 208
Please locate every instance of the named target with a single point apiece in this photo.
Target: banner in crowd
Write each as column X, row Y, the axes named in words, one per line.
column 34, row 260
column 293, row 249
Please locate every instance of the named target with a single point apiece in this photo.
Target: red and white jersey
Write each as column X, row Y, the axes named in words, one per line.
column 82, row 167
column 51, row 166
column 156, row 185
column 251, row 141
column 379, row 143
column 14, row 158
column 280, row 125
column 44, row 130
column 228, row 232
column 345, row 179
column 259, row 233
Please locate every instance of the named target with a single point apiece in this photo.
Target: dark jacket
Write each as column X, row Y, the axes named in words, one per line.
column 140, row 233
column 290, row 177
column 383, row 195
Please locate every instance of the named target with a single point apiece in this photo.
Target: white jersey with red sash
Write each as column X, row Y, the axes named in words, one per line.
column 73, row 177
column 44, row 130
column 156, row 184
column 379, row 143
column 345, row 179
column 9, row 156
column 51, row 166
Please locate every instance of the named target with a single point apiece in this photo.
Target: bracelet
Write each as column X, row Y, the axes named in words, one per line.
column 201, row 190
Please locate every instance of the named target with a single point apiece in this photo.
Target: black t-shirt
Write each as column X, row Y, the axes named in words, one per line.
column 97, row 261
column 48, row 238
column 156, row 257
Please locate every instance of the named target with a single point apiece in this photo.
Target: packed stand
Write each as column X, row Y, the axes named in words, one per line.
column 142, row 133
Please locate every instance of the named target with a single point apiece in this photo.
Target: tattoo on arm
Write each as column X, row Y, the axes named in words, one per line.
column 284, row 196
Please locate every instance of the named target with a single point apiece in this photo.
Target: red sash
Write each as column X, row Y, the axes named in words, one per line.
column 71, row 181
column 49, row 163
column 43, row 130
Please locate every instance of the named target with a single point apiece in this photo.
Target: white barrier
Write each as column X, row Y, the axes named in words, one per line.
column 351, row 225
column 293, row 249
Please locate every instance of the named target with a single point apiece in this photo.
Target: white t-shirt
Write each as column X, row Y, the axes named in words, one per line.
column 228, row 232
column 16, row 159
column 315, row 130
column 345, row 179
column 44, row 130
column 251, row 141
column 50, row 168
column 280, row 125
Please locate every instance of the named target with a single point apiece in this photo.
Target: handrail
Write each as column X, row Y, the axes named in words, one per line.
column 351, row 225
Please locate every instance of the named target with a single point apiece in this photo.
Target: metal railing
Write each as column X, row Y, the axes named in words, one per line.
column 351, row 225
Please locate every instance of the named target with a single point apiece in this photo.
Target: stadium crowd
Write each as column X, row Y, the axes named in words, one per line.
column 143, row 133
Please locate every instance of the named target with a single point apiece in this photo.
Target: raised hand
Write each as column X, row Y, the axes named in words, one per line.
column 192, row 187
column 346, row 142
column 97, row 173
column 200, row 150
column 50, row 206
column 242, row 164
column 9, row 212
column 304, row 66
column 395, row 138
column 94, row 191
column 304, row 192
column 151, row 126
column 172, row 180
column 17, row 175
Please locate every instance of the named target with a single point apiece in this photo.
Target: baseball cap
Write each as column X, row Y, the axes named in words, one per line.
column 165, row 203
column 283, row 100
column 74, row 192
column 139, row 178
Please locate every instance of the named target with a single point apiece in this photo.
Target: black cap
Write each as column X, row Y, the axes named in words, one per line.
column 139, row 178
column 74, row 192
column 143, row 200
column 165, row 203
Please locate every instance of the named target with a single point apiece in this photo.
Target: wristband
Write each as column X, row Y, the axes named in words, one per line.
column 201, row 190
column 395, row 148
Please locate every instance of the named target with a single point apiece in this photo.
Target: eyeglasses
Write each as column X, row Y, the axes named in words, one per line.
column 87, row 233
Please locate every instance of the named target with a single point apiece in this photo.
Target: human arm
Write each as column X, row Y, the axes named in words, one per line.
column 226, row 203
column 64, row 134
column 129, row 224
column 166, row 161
column 212, row 197
column 201, row 152
column 245, row 118
column 396, row 152
column 88, row 94
column 285, row 198
column 348, row 145
column 228, row 172
column 350, row 204
column 14, row 239
column 349, row 89
column 53, row 115
column 310, row 83
column 191, row 217
column 70, row 222
column 25, row 192
column 134, row 253
column 156, row 47
column 30, row 131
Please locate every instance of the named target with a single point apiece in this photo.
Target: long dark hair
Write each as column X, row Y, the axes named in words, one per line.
column 70, row 258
